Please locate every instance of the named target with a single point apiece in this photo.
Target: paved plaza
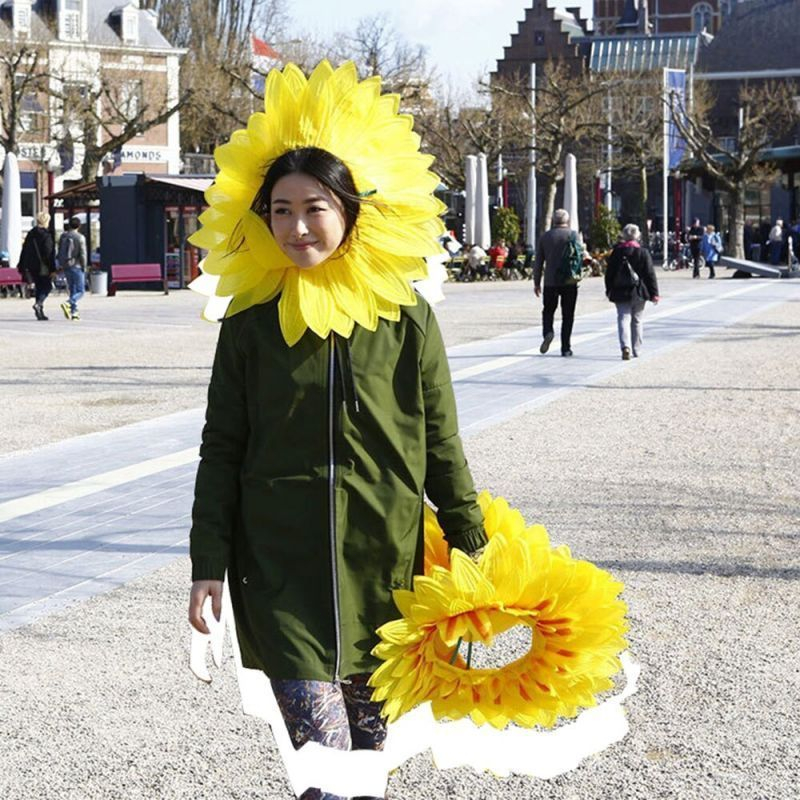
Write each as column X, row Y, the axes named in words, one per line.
column 677, row 471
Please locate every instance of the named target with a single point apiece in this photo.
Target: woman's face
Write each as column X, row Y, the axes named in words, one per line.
column 306, row 219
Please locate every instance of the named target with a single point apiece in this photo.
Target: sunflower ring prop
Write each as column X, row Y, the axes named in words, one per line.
column 370, row 276
column 572, row 608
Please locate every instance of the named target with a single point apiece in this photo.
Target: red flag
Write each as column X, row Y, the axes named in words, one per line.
column 261, row 48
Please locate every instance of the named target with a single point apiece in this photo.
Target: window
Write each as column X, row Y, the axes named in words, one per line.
column 131, row 98
column 22, row 18
column 31, row 113
column 130, row 27
column 27, row 202
column 71, row 20
column 725, row 8
column 72, row 25
column 701, row 17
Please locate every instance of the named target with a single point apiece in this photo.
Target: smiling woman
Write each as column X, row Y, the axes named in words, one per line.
column 309, row 201
column 306, row 220
column 331, row 410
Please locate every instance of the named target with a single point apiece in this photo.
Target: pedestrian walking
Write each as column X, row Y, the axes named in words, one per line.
column 549, row 258
column 776, row 242
column 695, row 239
column 711, row 248
column 72, row 260
column 330, row 410
column 630, row 282
column 37, row 263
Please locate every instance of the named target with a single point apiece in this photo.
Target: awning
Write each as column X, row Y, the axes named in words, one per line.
column 82, row 192
column 195, row 184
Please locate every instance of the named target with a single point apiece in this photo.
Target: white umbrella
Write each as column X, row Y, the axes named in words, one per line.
column 571, row 190
column 11, row 225
column 483, row 233
column 471, row 186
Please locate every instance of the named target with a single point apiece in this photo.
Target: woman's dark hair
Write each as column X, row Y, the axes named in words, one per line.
column 321, row 165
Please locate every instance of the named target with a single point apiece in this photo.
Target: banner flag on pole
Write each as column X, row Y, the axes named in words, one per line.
column 675, row 87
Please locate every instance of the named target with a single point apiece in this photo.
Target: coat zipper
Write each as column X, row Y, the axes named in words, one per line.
column 332, row 507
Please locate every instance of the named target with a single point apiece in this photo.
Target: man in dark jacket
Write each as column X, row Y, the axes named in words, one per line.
column 695, row 238
column 548, row 258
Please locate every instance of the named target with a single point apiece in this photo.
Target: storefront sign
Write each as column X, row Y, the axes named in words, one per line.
column 33, row 152
column 150, row 155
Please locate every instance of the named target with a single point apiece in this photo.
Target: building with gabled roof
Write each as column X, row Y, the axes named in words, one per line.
column 78, row 41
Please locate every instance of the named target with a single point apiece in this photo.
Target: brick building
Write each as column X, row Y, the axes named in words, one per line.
column 724, row 42
column 81, row 42
column 660, row 16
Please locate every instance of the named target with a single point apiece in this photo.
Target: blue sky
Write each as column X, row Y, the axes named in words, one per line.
column 463, row 37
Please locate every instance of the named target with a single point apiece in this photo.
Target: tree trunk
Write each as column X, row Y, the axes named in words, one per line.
column 549, row 203
column 644, row 198
column 736, row 221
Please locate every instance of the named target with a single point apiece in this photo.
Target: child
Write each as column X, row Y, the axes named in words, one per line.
column 322, row 435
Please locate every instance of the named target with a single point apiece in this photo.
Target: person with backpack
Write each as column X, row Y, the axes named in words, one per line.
column 560, row 257
column 630, row 283
column 72, row 260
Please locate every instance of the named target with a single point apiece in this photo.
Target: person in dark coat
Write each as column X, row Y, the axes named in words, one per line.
column 695, row 238
column 548, row 259
column 36, row 260
column 630, row 283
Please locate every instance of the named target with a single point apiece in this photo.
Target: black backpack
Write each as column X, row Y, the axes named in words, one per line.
column 626, row 280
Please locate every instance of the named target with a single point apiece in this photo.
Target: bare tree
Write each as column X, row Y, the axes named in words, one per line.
column 219, row 64
column 377, row 48
column 102, row 112
column 23, row 67
column 567, row 107
column 767, row 112
column 633, row 120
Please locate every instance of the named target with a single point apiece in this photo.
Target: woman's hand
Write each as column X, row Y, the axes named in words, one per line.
column 201, row 590
column 655, row 299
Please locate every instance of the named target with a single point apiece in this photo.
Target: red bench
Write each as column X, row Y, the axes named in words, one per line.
column 136, row 273
column 13, row 277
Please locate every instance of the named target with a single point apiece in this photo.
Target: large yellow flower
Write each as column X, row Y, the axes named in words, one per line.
column 398, row 223
column 572, row 608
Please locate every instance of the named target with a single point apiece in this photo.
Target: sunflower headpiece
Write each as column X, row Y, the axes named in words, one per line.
column 571, row 607
column 398, row 223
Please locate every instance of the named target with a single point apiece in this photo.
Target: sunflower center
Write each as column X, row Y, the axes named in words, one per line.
column 507, row 647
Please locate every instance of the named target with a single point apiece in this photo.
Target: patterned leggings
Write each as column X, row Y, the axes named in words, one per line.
column 338, row 715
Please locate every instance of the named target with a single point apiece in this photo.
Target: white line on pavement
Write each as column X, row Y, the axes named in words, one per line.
column 20, row 506
column 506, row 361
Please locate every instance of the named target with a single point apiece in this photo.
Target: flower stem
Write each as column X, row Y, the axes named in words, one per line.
column 455, row 651
column 469, row 654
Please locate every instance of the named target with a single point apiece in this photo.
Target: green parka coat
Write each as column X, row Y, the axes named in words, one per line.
column 314, row 463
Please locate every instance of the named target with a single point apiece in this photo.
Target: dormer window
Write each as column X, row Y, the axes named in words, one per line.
column 130, row 25
column 71, row 20
column 22, row 17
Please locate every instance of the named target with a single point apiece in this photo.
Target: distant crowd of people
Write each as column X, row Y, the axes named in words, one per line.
column 776, row 243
